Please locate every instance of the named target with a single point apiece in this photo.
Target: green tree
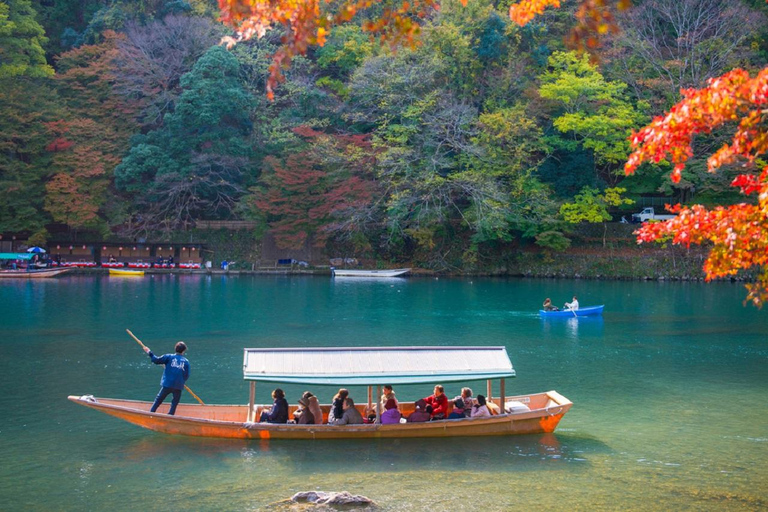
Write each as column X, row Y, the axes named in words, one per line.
column 27, row 105
column 21, row 41
column 591, row 206
column 197, row 164
column 589, row 111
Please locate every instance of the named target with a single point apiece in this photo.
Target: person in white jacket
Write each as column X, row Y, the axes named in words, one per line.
column 573, row 305
column 480, row 409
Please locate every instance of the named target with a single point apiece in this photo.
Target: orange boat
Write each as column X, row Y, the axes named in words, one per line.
column 344, row 367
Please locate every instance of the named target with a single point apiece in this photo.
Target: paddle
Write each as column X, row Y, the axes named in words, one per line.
column 185, row 386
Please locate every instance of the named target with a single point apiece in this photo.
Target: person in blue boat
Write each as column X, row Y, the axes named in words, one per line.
column 174, row 377
column 573, row 305
column 279, row 411
column 548, row 306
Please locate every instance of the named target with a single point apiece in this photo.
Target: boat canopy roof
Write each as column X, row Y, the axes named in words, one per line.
column 15, row 256
column 348, row 366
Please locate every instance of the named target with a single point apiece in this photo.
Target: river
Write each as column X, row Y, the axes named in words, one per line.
column 668, row 390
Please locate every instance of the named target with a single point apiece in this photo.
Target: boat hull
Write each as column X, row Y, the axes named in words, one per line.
column 588, row 311
column 226, row 421
column 33, row 274
column 125, row 273
column 370, row 273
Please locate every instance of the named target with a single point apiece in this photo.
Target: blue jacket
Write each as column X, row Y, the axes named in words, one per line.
column 279, row 412
column 176, row 369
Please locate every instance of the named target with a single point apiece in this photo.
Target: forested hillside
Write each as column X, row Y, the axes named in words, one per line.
column 129, row 117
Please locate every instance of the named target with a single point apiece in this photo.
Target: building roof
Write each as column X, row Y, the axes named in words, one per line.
column 376, row 365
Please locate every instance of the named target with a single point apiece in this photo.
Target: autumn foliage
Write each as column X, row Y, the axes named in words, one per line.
column 308, row 22
column 304, row 202
column 738, row 233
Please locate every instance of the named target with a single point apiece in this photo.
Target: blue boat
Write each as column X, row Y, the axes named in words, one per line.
column 587, row 311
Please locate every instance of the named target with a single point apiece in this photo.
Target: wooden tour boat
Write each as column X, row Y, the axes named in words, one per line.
column 36, row 273
column 125, row 272
column 571, row 313
column 340, row 272
column 345, row 367
column 27, row 273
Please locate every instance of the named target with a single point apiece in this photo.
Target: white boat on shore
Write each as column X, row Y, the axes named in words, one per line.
column 341, row 272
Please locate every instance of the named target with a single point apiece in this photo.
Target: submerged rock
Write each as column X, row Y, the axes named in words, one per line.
column 319, row 500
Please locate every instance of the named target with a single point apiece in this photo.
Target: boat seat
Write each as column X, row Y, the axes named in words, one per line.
column 513, row 406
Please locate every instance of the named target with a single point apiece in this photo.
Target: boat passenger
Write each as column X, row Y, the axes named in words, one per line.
column 351, row 415
column 279, row 411
column 469, row 401
column 439, row 403
column 303, row 415
column 388, row 393
column 480, row 409
column 337, row 407
column 422, row 413
column 573, row 305
column 391, row 415
column 548, row 306
column 458, row 410
column 314, row 405
column 111, row 258
column 174, row 378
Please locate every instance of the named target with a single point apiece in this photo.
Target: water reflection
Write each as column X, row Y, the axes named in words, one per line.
column 513, row 453
column 570, row 327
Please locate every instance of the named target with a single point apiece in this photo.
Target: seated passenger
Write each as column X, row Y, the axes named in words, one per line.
column 458, row 410
column 573, row 305
column 279, row 411
column 337, row 407
column 480, row 409
column 303, row 415
column 314, row 406
column 422, row 412
column 466, row 397
column 391, row 415
column 439, row 403
column 388, row 393
column 548, row 306
column 351, row 415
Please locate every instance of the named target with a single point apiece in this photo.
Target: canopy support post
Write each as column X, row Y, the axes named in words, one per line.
column 251, row 401
column 370, row 398
column 502, row 392
column 378, row 404
column 489, row 391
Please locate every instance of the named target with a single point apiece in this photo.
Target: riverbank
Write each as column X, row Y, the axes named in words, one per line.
column 673, row 264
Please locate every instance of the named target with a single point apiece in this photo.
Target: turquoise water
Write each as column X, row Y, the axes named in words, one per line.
column 668, row 390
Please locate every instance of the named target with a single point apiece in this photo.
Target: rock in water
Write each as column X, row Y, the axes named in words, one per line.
column 344, row 499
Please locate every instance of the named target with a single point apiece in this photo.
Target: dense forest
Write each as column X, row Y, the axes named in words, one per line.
column 129, row 117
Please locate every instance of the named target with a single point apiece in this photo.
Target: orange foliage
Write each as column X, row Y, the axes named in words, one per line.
column 738, row 233
column 594, row 18
column 307, row 23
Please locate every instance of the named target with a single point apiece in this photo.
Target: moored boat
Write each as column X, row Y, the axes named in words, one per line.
column 340, row 272
column 345, row 367
column 33, row 273
column 125, row 272
column 565, row 313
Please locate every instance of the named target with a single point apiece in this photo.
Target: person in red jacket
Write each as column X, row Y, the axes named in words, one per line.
column 439, row 403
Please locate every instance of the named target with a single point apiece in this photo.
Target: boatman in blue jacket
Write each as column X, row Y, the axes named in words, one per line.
column 174, row 377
